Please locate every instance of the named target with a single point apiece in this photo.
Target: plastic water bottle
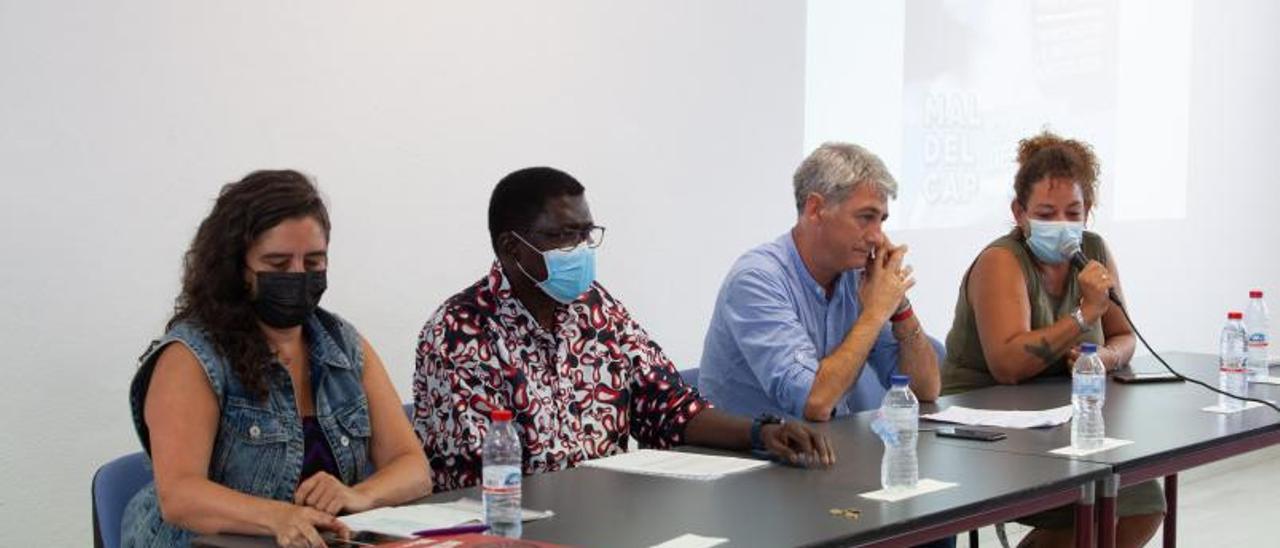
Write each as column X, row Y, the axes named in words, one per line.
column 1256, row 324
column 899, row 468
column 501, row 488
column 1088, row 394
column 1231, row 363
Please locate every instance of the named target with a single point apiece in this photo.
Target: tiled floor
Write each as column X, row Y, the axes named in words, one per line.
column 1228, row 503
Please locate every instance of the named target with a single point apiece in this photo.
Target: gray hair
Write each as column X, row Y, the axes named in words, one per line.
column 834, row 170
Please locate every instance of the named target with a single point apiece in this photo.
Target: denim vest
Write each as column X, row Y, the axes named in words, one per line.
column 258, row 448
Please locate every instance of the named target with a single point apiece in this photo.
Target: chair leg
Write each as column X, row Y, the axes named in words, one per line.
column 1000, row 534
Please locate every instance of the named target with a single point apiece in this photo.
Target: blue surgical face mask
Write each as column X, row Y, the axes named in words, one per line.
column 1045, row 238
column 569, row 273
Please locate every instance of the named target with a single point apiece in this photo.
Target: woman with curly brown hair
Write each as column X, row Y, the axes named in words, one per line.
column 1023, row 308
column 261, row 412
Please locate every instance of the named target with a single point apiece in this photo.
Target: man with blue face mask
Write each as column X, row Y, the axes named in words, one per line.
column 539, row 336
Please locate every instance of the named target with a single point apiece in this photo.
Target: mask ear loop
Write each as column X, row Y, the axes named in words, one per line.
column 540, row 254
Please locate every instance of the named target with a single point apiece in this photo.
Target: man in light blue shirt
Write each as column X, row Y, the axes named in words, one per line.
column 814, row 323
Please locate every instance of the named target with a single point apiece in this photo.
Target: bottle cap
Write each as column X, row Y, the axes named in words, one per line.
column 1255, row 294
column 899, row 380
column 1088, row 348
column 501, row 415
column 1234, row 315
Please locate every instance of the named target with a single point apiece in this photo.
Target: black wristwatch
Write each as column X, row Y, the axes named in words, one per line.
column 757, row 442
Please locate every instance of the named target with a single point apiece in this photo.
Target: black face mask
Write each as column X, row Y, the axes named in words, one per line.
column 285, row 299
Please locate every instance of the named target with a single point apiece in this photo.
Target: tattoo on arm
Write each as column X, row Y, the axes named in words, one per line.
column 1044, row 351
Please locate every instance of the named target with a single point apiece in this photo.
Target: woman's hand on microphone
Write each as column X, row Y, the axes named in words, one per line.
column 1095, row 287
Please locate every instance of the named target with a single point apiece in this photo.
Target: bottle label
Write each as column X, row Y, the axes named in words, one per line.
column 1088, row 385
column 501, row 480
column 1257, row 340
column 884, row 427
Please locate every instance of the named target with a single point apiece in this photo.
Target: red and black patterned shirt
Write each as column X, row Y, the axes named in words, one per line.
column 577, row 392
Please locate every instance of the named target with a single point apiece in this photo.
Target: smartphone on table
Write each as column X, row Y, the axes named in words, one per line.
column 969, row 433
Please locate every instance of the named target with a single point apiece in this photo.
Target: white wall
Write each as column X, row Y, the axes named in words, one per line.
column 119, row 121
column 1180, row 276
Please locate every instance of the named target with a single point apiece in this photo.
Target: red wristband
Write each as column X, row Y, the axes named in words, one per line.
column 910, row 311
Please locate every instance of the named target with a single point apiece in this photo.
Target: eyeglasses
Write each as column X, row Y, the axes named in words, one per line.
column 569, row 238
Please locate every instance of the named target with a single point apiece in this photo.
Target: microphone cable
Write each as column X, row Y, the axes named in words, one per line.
column 1180, row 376
column 1072, row 250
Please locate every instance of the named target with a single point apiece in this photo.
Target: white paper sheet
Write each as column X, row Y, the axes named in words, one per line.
column 690, row 540
column 1003, row 419
column 924, row 486
column 676, row 464
column 1107, row 444
column 403, row 521
column 476, row 506
column 1224, row 411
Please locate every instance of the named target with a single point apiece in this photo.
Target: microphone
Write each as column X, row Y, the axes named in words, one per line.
column 1071, row 249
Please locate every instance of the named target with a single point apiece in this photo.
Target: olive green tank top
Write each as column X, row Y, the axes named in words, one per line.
column 966, row 367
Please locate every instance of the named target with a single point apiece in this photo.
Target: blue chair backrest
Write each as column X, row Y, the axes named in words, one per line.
column 690, row 376
column 114, row 484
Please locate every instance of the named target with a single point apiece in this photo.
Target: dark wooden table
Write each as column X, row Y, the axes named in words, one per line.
column 787, row 506
column 1165, row 421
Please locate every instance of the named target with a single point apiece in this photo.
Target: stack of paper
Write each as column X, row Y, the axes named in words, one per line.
column 924, row 486
column 676, row 464
column 403, row 521
column 1218, row 408
column 1002, row 419
column 690, row 540
column 1106, row 445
